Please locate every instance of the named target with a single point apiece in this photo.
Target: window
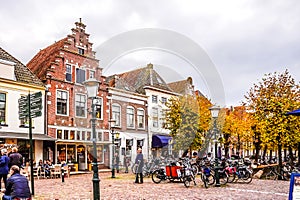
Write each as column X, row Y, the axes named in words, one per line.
column 155, row 117
column 92, row 74
column 88, row 135
column 163, row 118
column 2, row 107
column 83, row 135
column 130, row 117
column 59, row 134
column 72, row 135
column 66, row 135
column 81, row 51
column 99, row 138
column 80, row 75
column 98, row 105
column 140, row 118
column 163, row 100
column 116, row 113
column 68, row 73
column 78, row 135
column 61, row 102
column 154, row 99
column 80, row 104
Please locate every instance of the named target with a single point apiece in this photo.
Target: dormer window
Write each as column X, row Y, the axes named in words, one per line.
column 81, row 51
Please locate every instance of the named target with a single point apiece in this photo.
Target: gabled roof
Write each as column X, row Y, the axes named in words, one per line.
column 136, row 80
column 22, row 73
column 43, row 60
column 182, row 87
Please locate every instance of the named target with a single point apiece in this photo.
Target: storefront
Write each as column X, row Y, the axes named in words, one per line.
column 41, row 148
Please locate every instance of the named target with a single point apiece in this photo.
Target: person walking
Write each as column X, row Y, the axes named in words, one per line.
column 4, row 167
column 17, row 185
column 139, row 162
column 15, row 158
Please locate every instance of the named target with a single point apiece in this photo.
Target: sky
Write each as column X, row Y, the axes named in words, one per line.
column 239, row 41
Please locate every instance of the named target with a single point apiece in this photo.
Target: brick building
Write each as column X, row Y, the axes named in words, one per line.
column 63, row 67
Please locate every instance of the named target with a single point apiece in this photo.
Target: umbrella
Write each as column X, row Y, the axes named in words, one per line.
column 294, row 112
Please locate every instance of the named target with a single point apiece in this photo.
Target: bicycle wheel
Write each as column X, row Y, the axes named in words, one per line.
column 285, row 175
column 210, row 179
column 231, row 177
column 156, row 176
column 186, row 182
column 247, row 177
column 223, row 178
column 195, row 168
column 204, row 180
column 271, row 176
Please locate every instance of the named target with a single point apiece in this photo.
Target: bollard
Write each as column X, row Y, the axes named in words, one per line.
column 62, row 175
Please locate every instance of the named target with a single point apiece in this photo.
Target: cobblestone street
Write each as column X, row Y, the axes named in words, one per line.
column 122, row 187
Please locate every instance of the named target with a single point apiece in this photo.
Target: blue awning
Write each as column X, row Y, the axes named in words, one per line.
column 159, row 141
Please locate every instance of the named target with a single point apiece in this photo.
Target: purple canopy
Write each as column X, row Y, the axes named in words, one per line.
column 294, row 112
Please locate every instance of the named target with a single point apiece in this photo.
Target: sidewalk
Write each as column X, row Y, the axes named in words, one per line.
column 122, row 187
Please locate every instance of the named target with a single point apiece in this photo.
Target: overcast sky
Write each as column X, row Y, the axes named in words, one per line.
column 243, row 39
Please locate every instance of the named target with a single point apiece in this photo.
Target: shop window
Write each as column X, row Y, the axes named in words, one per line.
column 61, row 152
column 71, row 153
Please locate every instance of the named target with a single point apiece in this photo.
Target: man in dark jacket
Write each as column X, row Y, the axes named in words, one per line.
column 17, row 185
column 15, row 158
column 139, row 162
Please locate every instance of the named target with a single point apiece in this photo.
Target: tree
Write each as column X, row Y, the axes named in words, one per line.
column 269, row 101
column 187, row 121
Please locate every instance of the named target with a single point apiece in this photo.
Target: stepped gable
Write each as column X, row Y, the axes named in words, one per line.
column 22, row 73
column 76, row 46
column 142, row 77
column 41, row 63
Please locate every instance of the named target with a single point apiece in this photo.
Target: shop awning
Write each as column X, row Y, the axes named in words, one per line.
column 35, row 136
column 159, row 141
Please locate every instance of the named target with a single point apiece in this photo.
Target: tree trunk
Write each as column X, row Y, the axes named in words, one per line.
column 264, row 152
column 270, row 155
column 284, row 155
column 291, row 156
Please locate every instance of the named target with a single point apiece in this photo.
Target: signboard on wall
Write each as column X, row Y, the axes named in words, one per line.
column 294, row 193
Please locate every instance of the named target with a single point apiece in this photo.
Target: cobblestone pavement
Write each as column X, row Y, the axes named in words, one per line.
column 122, row 187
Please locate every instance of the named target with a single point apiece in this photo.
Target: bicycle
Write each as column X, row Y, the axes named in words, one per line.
column 273, row 174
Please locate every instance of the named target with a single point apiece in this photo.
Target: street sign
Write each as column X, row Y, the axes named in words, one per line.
column 36, row 95
column 35, row 105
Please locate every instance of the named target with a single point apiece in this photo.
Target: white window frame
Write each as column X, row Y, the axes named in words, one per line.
column 85, row 105
column 143, row 118
column 116, row 115
column 129, row 117
column 67, row 103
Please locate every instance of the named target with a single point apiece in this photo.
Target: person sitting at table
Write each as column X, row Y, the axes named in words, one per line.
column 40, row 166
column 47, row 169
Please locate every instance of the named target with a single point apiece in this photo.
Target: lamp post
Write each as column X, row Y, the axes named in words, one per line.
column 215, row 113
column 112, row 126
column 92, row 89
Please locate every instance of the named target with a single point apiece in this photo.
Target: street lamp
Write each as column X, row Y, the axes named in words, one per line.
column 91, row 86
column 112, row 126
column 215, row 113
